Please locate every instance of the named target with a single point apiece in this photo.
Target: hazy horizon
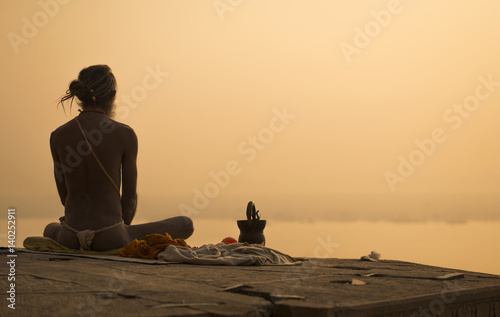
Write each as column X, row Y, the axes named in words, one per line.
column 311, row 208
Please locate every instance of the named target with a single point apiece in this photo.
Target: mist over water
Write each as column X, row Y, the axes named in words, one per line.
column 466, row 246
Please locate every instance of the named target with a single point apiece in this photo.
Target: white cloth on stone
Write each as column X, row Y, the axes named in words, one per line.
column 227, row 254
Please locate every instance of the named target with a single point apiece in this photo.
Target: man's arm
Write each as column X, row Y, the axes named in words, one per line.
column 58, row 172
column 129, row 179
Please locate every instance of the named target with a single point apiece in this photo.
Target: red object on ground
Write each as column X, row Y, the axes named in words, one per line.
column 229, row 240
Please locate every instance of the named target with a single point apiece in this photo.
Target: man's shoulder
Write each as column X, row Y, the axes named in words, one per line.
column 122, row 126
column 65, row 125
column 106, row 125
column 62, row 128
column 123, row 130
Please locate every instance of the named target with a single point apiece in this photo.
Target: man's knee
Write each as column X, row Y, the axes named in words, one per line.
column 52, row 230
column 187, row 227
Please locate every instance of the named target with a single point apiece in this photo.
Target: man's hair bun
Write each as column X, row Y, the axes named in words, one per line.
column 81, row 91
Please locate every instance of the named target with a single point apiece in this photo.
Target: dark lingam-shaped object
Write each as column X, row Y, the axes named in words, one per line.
column 252, row 229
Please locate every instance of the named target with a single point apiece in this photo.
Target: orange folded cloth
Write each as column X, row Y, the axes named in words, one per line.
column 149, row 249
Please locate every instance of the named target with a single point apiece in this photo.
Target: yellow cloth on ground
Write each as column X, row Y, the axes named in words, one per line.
column 44, row 244
column 149, row 248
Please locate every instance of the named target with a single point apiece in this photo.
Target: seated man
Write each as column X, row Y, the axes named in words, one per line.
column 93, row 155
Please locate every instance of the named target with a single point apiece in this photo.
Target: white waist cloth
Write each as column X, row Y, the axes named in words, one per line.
column 85, row 237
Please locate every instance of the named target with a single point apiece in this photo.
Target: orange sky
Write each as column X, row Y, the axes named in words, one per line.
column 202, row 77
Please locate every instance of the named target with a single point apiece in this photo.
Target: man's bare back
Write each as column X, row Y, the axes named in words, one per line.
column 91, row 200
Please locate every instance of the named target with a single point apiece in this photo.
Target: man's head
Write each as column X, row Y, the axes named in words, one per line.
column 95, row 88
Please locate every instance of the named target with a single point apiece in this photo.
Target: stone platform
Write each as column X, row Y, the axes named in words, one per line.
column 62, row 285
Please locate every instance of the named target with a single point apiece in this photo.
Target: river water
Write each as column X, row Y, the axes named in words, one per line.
column 472, row 246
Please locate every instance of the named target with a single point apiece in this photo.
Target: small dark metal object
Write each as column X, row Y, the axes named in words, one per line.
column 252, row 229
column 251, row 213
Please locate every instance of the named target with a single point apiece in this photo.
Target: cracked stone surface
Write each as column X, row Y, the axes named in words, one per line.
column 58, row 285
